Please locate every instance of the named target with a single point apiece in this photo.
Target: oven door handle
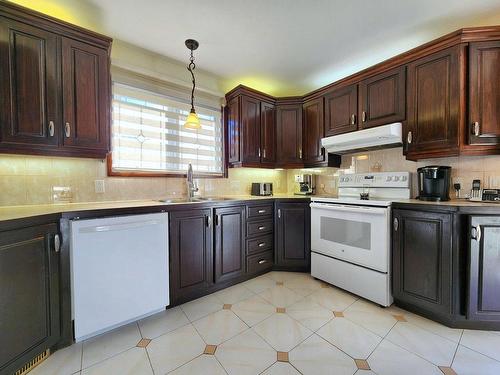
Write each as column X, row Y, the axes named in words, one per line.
column 355, row 209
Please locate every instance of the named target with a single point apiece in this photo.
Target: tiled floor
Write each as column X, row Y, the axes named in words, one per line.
column 281, row 323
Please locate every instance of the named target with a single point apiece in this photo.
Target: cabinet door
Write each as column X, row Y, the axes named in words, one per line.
column 314, row 130
column 29, row 291
column 250, row 126
column 484, row 93
column 86, row 96
column 289, row 127
column 293, row 239
column 341, row 107
column 29, row 86
column 268, row 133
column 229, row 243
column 383, row 98
column 190, row 253
column 422, row 247
column 484, row 275
column 433, row 105
column 233, row 130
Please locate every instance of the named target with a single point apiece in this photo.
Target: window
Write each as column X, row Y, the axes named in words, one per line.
column 148, row 135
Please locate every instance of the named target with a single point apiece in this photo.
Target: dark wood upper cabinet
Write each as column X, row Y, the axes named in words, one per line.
column 268, row 133
column 233, row 130
column 422, row 259
column 341, row 108
column 293, row 239
column 54, row 86
column 314, row 130
column 484, row 282
column 29, row 291
column 29, row 84
column 250, row 128
column 191, row 264
column 289, row 134
column 86, row 96
column 382, row 98
column 229, row 243
column 484, row 93
column 434, row 105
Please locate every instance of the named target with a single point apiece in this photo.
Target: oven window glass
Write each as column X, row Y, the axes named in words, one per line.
column 346, row 232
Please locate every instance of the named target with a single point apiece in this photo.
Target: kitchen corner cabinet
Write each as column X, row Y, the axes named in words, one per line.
column 230, row 259
column 434, row 105
column 289, row 135
column 29, row 294
column 293, row 236
column 55, row 86
column 191, row 264
column 422, row 260
column 314, row 129
column 484, row 282
column 484, row 94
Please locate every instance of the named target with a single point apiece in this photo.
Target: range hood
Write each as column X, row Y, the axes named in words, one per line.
column 362, row 140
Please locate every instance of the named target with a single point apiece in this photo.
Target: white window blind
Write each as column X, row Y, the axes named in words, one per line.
column 148, row 134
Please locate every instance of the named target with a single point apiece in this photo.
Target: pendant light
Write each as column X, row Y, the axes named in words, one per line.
column 192, row 121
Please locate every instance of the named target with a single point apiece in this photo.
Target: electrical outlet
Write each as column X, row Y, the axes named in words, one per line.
column 99, row 186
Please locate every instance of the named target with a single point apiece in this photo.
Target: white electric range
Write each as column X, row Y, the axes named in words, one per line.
column 350, row 236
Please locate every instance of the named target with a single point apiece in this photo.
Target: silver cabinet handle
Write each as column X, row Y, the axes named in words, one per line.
column 264, row 153
column 209, row 221
column 57, row 243
column 279, row 213
column 259, row 152
column 409, row 137
column 300, row 153
column 262, row 228
column 395, row 224
column 262, row 244
column 476, row 233
column 67, row 130
column 262, row 211
column 363, row 116
column 353, row 119
column 262, row 261
column 51, row 128
column 476, row 129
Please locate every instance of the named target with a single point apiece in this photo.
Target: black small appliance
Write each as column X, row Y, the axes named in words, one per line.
column 434, row 183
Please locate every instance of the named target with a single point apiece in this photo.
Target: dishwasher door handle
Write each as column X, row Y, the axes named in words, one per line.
column 117, row 227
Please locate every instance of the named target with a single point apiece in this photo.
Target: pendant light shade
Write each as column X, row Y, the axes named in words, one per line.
column 192, row 121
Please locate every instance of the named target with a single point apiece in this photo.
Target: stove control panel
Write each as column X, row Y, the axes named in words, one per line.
column 376, row 179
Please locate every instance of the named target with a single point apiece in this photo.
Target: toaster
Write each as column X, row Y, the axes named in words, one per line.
column 262, row 188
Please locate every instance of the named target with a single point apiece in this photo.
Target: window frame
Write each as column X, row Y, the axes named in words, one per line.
column 145, row 173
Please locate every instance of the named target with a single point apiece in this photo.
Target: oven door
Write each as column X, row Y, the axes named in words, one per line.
column 355, row 234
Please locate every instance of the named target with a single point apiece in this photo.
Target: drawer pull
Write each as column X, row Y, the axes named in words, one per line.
column 262, row 261
column 51, row 128
column 262, row 244
column 262, row 211
column 476, row 233
column 262, row 228
column 67, row 130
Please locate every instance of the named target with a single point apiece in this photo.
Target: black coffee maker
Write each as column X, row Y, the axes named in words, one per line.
column 434, row 183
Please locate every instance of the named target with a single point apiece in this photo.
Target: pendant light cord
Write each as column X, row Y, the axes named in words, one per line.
column 191, row 67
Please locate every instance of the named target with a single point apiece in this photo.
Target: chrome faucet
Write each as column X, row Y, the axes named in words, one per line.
column 191, row 184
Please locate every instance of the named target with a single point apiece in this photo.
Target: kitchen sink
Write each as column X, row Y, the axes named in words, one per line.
column 196, row 199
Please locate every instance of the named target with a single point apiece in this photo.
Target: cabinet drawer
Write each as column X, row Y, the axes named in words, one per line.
column 260, row 211
column 259, row 244
column 259, row 227
column 260, row 262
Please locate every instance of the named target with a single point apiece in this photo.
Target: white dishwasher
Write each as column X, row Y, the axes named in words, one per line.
column 119, row 271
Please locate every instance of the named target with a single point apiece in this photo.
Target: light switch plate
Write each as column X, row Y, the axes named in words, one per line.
column 99, row 186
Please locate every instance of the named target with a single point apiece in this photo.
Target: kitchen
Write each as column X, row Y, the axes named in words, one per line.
column 289, row 211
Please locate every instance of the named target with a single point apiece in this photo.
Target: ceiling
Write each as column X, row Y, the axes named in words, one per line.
column 288, row 47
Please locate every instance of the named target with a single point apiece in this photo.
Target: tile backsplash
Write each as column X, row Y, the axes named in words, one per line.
column 39, row 180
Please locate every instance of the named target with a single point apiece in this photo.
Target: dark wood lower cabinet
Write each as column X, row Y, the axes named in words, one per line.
column 422, row 259
column 191, row 264
column 29, row 295
column 229, row 243
column 293, row 236
column 484, row 276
